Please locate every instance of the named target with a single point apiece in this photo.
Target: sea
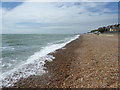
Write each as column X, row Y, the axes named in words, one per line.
column 25, row 54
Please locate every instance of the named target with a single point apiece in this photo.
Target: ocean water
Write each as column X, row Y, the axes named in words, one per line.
column 25, row 54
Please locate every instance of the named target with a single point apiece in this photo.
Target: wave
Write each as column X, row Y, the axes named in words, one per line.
column 7, row 48
column 34, row 65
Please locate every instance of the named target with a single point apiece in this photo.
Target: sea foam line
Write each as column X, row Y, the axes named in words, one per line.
column 33, row 66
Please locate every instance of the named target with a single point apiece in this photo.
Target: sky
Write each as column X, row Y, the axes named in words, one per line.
column 56, row 17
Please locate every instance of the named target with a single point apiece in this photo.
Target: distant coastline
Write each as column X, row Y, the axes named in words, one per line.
column 108, row 29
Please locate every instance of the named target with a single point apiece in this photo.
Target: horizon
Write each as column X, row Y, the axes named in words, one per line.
column 56, row 17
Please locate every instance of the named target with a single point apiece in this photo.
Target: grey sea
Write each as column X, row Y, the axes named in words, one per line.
column 25, row 54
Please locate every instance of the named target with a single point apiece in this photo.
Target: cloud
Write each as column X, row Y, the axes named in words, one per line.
column 61, row 0
column 43, row 17
column 70, row 0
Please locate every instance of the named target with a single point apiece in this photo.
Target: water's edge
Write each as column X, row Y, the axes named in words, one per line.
column 34, row 66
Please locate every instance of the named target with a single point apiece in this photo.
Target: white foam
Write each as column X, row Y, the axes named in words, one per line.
column 34, row 68
column 7, row 48
column 34, row 65
column 1, row 61
column 6, row 65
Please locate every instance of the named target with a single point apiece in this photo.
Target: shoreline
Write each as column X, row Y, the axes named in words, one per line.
column 45, row 79
column 39, row 56
column 79, row 65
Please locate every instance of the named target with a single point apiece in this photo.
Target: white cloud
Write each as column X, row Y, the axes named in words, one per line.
column 61, row 0
column 57, row 20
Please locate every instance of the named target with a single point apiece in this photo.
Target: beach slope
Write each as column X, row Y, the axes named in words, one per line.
column 91, row 61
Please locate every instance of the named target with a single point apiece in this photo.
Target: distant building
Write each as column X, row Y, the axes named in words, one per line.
column 114, row 29
column 109, row 29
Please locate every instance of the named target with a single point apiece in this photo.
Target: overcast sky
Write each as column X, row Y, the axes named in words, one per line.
column 59, row 17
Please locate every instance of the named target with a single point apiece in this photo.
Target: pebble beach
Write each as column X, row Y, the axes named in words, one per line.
column 91, row 61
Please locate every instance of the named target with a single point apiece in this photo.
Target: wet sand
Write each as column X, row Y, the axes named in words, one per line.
column 91, row 61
